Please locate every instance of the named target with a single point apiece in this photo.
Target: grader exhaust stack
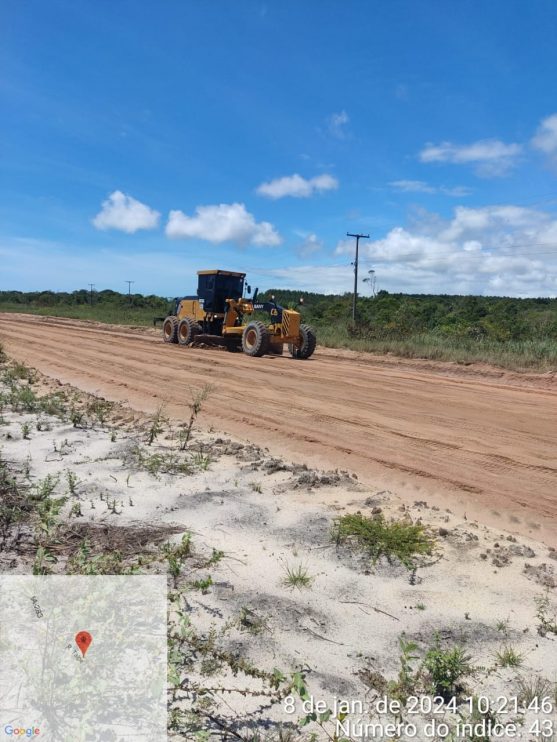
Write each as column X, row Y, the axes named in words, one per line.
column 220, row 315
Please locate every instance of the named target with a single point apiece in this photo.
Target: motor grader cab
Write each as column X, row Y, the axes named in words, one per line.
column 220, row 315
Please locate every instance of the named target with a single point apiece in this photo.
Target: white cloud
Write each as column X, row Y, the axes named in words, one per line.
column 310, row 245
column 503, row 249
column 296, row 186
column 222, row 223
column 337, row 123
column 121, row 211
column 412, row 186
column 420, row 186
column 545, row 138
column 491, row 156
column 455, row 191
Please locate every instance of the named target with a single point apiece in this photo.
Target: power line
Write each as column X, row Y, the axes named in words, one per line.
column 91, row 287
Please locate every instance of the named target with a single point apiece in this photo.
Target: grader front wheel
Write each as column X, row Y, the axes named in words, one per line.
column 308, row 341
column 255, row 339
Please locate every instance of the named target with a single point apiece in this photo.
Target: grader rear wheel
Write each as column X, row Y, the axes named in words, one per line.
column 170, row 330
column 187, row 330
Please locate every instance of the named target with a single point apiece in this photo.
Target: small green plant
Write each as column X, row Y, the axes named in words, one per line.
column 77, row 416
column 19, row 372
column 203, row 584
column 446, row 669
column 23, row 399
column 53, row 404
column 201, row 461
column 40, row 425
column 84, row 562
column 176, row 554
column 75, row 510
column 298, row 577
column 507, row 656
column 26, row 468
column 502, row 626
column 251, row 621
column 100, row 409
column 44, row 561
column 48, row 510
column 156, row 426
column 25, row 431
column 195, row 405
column 215, row 557
column 113, row 436
column 405, row 684
column 256, row 487
column 159, row 463
column 45, row 487
column 546, row 616
column 395, row 539
column 420, row 606
column 73, row 482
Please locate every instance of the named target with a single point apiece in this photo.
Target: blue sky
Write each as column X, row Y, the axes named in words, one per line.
column 146, row 140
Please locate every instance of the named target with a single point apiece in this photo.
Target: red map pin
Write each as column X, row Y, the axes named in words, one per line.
column 83, row 640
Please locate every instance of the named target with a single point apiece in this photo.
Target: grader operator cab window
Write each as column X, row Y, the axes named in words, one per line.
column 216, row 288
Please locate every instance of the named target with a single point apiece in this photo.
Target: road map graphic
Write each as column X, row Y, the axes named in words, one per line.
column 83, row 658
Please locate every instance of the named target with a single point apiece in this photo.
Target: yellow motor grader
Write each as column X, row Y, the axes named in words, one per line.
column 220, row 315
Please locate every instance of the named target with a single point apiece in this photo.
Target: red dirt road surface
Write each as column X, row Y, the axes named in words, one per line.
column 479, row 440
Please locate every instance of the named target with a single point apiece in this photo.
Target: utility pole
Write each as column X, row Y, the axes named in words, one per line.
column 91, row 287
column 129, row 290
column 355, row 264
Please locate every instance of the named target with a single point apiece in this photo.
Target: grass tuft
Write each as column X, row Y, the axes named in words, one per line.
column 529, row 689
column 507, row 656
column 298, row 577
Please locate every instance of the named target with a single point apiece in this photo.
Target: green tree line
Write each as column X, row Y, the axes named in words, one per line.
column 81, row 297
column 400, row 316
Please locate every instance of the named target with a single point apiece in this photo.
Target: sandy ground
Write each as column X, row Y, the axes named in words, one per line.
column 266, row 515
column 477, row 439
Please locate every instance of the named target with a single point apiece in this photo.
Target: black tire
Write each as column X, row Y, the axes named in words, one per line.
column 255, row 339
column 170, row 329
column 308, row 341
column 188, row 328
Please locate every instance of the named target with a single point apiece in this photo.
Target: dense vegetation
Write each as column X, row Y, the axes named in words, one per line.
column 104, row 306
column 517, row 333
column 397, row 316
column 510, row 332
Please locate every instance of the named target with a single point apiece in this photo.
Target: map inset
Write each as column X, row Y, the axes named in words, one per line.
column 110, row 690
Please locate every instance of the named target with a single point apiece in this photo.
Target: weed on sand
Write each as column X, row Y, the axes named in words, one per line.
column 395, row 539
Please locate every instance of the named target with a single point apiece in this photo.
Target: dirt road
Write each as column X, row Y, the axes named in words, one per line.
column 478, row 440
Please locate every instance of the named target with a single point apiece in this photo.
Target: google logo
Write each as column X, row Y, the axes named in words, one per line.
column 21, row 732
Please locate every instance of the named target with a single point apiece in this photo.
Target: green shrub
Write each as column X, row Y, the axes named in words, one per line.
column 446, row 668
column 395, row 539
